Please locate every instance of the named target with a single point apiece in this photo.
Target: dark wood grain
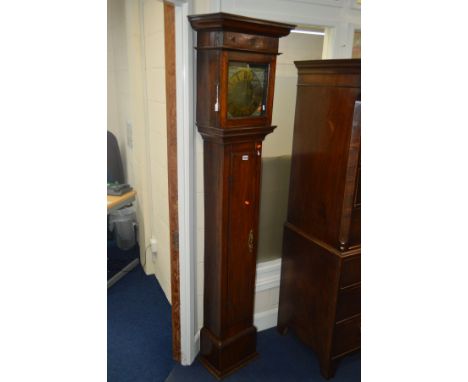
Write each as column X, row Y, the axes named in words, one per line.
column 232, row 168
column 171, row 115
column 350, row 232
column 323, row 123
column 320, row 294
column 241, row 24
column 237, row 41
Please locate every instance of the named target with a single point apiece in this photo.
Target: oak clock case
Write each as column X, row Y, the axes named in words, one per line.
column 236, row 63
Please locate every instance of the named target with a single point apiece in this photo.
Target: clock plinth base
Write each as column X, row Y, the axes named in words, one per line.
column 223, row 357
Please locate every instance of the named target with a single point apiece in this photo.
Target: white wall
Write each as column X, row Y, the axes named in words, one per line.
column 156, row 138
column 117, row 79
column 137, row 105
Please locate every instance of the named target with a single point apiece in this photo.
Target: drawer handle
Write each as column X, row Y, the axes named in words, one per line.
column 251, row 241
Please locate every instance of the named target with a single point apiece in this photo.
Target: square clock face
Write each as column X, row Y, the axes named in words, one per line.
column 247, row 89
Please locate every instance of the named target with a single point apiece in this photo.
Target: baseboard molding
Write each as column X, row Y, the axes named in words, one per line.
column 196, row 341
column 268, row 275
column 266, row 320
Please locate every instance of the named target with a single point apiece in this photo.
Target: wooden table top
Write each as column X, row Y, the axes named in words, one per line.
column 114, row 201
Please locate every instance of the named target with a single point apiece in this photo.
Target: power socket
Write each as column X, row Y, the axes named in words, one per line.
column 153, row 244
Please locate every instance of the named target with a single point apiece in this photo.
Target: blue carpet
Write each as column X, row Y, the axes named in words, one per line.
column 139, row 335
column 139, row 344
column 117, row 259
column 282, row 359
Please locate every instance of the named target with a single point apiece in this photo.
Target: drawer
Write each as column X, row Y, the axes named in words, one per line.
column 351, row 271
column 249, row 42
column 349, row 302
column 347, row 336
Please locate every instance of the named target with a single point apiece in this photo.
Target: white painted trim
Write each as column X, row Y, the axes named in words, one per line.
column 335, row 16
column 325, row 3
column 266, row 320
column 268, row 275
column 215, row 6
column 149, row 265
column 197, row 341
column 186, row 181
column 338, row 41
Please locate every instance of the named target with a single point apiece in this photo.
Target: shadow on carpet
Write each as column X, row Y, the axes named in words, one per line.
column 282, row 359
column 118, row 259
column 139, row 331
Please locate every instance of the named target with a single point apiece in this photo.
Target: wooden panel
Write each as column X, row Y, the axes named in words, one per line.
column 339, row 68
column 309, row 285
column 355, row 224
column 215, row 164
column 237, row 41
column 348, row 210
column 320, row 277
column 349, row 302
column 347, row 336
column 207, row 85
column 354, row 238
column 250, row 42
column 243, row 207
column 322, row 131
column 241, row 24
column 327, row 80
column 223, row 358
column 351, row 271
column 357, row 195
column 171, row 115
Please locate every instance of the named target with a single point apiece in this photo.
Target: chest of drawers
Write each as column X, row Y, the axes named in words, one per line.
column 320, row 295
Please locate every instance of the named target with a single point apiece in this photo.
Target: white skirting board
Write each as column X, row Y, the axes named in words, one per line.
column 268, row 277
column 266, row 320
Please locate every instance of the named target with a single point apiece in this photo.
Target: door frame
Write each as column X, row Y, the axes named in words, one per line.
column 171, row 125
column 186, row 277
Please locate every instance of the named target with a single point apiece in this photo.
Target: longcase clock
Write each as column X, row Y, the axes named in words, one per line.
column 236, row 61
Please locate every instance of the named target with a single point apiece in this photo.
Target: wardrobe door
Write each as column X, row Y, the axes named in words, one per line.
column 242, row 235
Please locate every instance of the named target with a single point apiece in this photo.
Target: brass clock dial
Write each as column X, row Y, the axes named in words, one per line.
column 246, row 90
